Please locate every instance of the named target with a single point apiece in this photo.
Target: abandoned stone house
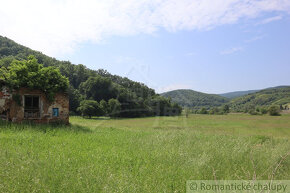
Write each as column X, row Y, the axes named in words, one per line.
column 33, row 105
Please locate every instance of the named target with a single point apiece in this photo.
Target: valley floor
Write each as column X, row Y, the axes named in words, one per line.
column 157, row 154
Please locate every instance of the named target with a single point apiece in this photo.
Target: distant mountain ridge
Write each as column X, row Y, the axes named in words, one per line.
column 238, row 100
column 236, row 94
column 194, row 99
column 271, row 96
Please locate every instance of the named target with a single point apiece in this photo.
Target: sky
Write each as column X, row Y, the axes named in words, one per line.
column 212, row 46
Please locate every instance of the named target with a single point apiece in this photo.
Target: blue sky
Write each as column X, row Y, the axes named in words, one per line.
column 210, row 47
column 246, row 55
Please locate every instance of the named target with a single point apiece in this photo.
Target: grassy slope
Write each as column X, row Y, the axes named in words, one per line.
column 190, row 98
column 272, row 96
column 141, row 155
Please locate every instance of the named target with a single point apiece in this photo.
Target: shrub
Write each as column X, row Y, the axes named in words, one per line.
column 203, row 111
column 226, row 109
column 253, row 112
column 274, row 111
column 214, row 111
column 263, row 110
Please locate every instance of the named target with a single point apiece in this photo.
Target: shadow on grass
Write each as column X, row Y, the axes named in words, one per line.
column 98, row 118
column 115, row 118
column 103, row 118
column 6, row 125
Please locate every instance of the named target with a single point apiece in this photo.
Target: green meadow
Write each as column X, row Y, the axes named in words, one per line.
column 157, row 154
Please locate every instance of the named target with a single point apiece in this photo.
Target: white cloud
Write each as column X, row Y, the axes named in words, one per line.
column 58, row 26
column 271, row 19
column 231, row 50
column 256, row 38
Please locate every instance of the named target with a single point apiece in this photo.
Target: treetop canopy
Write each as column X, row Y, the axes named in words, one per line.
column 30, row 74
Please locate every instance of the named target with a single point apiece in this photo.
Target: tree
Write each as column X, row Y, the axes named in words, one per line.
column 81, row 74
column 186, row 111
column 98, row 88
column 263, row 110
column 30, row 74
column 114, row 107
column 281, row 107
column 226, row 108
column 74, row 98
column 274, row 111
column 104, row 107
column 203, row 111
column 176, row 109
column 214, row 111
column 160, row 105
column 90, row 108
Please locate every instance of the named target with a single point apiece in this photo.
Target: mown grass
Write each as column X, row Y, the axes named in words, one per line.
column 155, row 154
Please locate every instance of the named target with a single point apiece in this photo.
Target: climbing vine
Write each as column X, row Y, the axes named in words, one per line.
column 30, row 74
column 17, row 99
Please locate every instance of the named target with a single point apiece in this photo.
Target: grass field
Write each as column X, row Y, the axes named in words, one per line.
column 142, row 155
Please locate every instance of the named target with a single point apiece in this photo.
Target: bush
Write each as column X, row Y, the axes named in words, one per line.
column 203, row 111
column 263, row 110
column 90, row 108
column 226, row 109
column 214, row 111
column 253, row 112
column 274, row 111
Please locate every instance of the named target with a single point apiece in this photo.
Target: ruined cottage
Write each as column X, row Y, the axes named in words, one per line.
column 32, row 105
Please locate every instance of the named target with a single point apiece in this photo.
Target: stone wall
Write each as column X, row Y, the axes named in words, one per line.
column 15, row 111
column 5, row 102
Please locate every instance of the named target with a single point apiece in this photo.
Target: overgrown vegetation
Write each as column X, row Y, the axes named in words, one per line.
column 30, row 74
column 136, row 99
column 156, row 154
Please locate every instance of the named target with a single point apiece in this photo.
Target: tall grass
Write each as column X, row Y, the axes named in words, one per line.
column 142, row 155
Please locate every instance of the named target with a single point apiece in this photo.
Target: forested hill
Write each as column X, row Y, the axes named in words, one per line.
column 237, row 94
column 271, row 96
column 136, row 99
column 194, row 99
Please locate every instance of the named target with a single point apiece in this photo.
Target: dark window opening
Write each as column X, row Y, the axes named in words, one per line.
column 31, row 107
